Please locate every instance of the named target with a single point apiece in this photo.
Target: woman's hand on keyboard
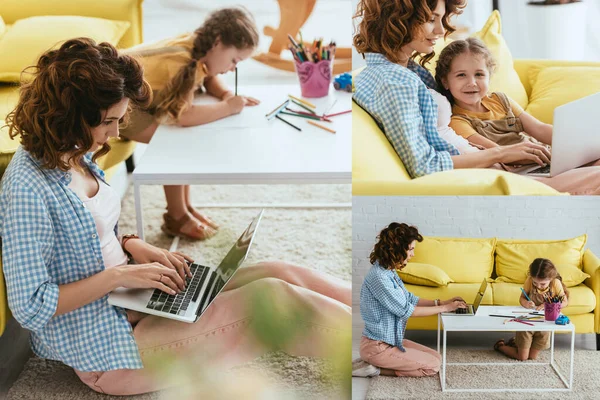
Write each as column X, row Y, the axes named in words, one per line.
column 144, row 253
column 152, row 275
column 524, row 153
column 455, row 298
column 453, row 305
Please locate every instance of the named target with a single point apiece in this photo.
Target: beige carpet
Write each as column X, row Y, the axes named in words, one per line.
column 314, row 238
column 586, row 378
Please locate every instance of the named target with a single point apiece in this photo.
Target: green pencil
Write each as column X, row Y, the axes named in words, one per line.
column 300, row 115
column 303, row 106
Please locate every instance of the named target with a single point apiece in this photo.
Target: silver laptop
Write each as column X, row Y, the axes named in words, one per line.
column 575, row 137
column 471, row 308
column 202, row 288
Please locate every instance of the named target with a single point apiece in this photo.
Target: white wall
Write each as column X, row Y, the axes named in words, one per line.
column 505, row 217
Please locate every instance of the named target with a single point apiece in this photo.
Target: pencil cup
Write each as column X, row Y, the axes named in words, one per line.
column 315, row 78
column 551, row 311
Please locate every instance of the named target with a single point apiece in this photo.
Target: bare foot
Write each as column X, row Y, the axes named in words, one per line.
column 187, row 226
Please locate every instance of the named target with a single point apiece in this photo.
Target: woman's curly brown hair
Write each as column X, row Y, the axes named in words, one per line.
column 234, row 27
column 71, row 88
column 392, row 245
column 388, row 25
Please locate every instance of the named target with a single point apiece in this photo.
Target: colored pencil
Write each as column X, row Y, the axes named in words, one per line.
column 339, row 113
column 503, row 316
column 303, row 106
column 316, row 118
column 310, row 114
column 525, row 294
column 277, row 109
column 236, row 81
column 321, row 126
column 289, row 123
column 302, row 101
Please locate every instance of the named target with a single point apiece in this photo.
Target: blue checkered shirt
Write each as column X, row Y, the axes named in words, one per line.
column 398, row 99
column 385, row 306
column 49, row 239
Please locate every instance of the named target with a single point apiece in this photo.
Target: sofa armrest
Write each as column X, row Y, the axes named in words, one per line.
column 464, row 182
column 591, row 266
column 121, row 10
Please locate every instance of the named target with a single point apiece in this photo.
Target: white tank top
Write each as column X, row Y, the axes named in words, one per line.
column 105, row 207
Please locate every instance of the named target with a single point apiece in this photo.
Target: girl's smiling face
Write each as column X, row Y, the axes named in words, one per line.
column 468, row 81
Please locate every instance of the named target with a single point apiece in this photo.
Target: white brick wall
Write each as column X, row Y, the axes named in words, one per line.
column 504, row 217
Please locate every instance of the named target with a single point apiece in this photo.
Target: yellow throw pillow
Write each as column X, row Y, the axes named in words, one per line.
column 423, row 275
column 28, row 38
column 555, row 86
column 505, row 79
column 464, row 260
column 513, row 257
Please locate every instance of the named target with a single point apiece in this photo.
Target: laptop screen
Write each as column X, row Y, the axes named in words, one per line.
column 233, row 260
column 479, row 295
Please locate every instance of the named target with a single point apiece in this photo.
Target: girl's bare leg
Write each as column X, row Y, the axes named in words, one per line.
column 199, row 216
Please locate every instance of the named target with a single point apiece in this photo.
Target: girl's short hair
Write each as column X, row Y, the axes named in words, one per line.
column 234, row 27
column 392, row 245
column 542, row 268
column 388, row 25
column 70, row 89
column 453, row 50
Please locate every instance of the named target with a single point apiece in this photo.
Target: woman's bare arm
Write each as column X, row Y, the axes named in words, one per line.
column 481, row 141
column 536, row 128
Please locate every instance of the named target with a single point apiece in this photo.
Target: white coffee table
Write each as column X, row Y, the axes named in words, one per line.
column 482, row 322
column 249, row 149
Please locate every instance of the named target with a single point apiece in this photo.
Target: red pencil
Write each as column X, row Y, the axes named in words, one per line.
column 339, row 113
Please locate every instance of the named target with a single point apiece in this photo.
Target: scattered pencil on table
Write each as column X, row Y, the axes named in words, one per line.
column 338, row 113
column 321, row 126
column 308, row 114
column 303, row 106
column 289, row 123
column 306, row 103
column 291, row 114
column 278, row 109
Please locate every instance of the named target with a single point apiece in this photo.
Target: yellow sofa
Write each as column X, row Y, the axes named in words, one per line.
column 12, row 10
column 377, row 169
column 504, row 263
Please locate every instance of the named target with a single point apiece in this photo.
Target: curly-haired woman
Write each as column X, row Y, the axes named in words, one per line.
column 62, row 252
column 395, row 91
column 386, row 305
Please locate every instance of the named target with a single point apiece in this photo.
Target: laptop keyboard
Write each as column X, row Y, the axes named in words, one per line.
column 541, row 170
column 178, row 304
column 461, row 310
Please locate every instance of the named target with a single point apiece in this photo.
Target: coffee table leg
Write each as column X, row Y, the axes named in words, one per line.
column 443, row 374
column 438, row 336
column 551, row 347
column 572, row 359
column 138, row 210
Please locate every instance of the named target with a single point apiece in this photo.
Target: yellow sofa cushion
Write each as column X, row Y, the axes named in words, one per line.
column 581, row 298
column 555, row 86
column 513, row 257
column 423, row 275
column 505, row 78
column 2, row 27
column 28, row 38
column 464, row 260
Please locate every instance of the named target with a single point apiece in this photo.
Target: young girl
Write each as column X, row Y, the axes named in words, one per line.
column 176, row 68
column 543, row 281
column 62, row 253
column 463, row 74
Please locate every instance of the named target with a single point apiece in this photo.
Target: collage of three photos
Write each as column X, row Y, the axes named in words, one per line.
column 396, row 202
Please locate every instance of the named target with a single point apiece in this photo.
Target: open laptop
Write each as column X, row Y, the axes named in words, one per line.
column 575, row 137
column 471, row 308
column 205, row 284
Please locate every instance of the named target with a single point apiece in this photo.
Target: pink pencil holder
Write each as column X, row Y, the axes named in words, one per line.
column 315, row 78
column 551, row 311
